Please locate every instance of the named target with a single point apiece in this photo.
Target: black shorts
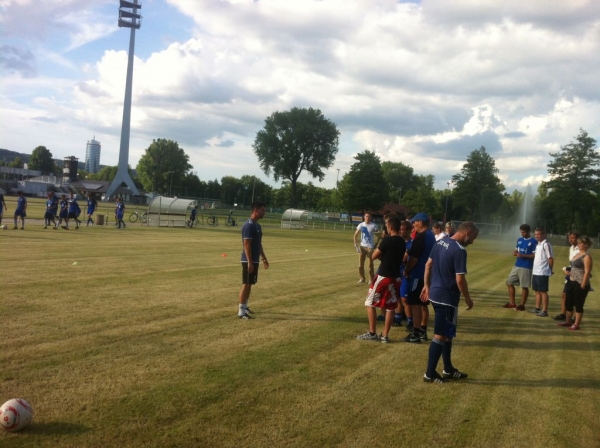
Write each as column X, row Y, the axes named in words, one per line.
column 445, row 320
column 249, row 279
column 540, row 283
column 415, row 286
column 50, row 216
column 72, row 215
column 576, row 296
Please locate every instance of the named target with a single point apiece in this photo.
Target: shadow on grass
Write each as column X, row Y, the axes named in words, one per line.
column 56, row 428
column 565, row 383
column 315, row 317
column 533, row 345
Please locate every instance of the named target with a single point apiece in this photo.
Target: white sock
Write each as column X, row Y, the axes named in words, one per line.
column 241, row 309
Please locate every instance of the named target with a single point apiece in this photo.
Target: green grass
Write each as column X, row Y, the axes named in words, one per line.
column 138, row 345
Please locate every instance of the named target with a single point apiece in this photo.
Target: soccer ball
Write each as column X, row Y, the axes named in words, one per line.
column 3, row 226
column 15, row 414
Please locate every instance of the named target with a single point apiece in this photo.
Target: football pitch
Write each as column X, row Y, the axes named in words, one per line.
column 130, row 338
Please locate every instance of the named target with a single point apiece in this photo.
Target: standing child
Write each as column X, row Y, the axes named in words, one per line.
column 20, row 212
column 119, row 212
column 64, row 212
column 91, row 209
column 543, row 262
column 193, row 216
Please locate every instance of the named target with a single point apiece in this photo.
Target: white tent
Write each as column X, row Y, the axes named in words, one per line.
column 294, row 219
column 174, row 212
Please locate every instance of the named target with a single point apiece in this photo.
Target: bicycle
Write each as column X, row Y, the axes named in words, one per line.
column 137, row 215
column 212, row 220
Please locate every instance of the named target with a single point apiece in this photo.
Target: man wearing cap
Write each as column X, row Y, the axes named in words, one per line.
column 414, row 274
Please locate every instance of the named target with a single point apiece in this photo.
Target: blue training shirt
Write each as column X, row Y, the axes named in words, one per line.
column 449, row 258
column 525, row 246
column 420, row 249
column 252, row 231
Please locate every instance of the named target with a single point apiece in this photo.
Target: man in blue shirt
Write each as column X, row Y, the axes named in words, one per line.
column 252, row 253
column 120, row 212
column 74, row 210
column 92, row 204
column 414, row 274
column 520, row 275
column 444, row 283
column 20, row 212
column 51, row 210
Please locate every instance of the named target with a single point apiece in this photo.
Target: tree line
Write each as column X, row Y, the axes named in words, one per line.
column 303, row 140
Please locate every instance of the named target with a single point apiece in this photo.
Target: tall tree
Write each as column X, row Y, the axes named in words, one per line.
column 574, row 182
column 422, row 198
column 17, row 162
column 295, row 141
column 400, row 179
column 362, row 189
column 478, row 188
column 41, row 159
column 163, row 165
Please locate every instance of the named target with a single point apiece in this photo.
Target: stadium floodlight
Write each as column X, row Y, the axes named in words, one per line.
column 128, row 19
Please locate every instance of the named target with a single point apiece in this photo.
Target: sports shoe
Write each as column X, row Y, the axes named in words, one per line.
column 423, row 337
column 520, row 308
column 456, row 375
column 362, row 280
column 574, row 327
column 397, row 323
column 249, row 311
column 435, row 379
column 245, row 316
column 559, row 317
column 535, row 311
column 367, row 337
column 542, row 314
column 409, row 327
column 509, row 305
column 15, row 228
column 563, row 324
column 412, row 339
column 45, row 227
column 384, row 339
column 381, row 318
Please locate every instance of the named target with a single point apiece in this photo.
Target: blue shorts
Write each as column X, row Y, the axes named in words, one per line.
column 20, row 213
column 540, row 283
column 404, row 288
column 445, row 320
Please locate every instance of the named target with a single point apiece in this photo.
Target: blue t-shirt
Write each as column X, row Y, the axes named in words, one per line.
column 252, row 231
column 74, row 207
column 525, row 246
column 193, row 214
column 120, row 209
column 403, row 265
column 52, row 205
column 91, row 206
column 21, row 204
column 449, row 258
column 420, row 249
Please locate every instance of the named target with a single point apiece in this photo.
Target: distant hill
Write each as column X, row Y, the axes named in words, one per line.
column 8, row 156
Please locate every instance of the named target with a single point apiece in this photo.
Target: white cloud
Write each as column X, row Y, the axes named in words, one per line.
column 424, row 83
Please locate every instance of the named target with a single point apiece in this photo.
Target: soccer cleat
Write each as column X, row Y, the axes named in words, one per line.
column 559, row 317
column 45, row 227
column 456, row 375
column 22, row 228
column 249, row 311
column 509, row 305
column 15, row 228
column 542, row 314
column 574, row 327
column 384, row 339
column 412, row 339
column 362, row 280
column 367, row 337
column 520, row 308
column 397, row 323
column 423, row 337
column 535, row 311
column 409, row 327
column 245, row 316
column 563, row 324
column 434, row 379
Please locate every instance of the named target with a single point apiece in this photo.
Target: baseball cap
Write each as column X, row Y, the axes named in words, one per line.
column 420, row 217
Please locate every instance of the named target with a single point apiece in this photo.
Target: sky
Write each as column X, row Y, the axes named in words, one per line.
column 419, row 82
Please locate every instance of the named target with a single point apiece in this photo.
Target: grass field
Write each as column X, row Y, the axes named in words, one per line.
column 138, row 345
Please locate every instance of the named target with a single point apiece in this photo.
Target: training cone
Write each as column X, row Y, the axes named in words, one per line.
column 75, row 263
column 223, row 255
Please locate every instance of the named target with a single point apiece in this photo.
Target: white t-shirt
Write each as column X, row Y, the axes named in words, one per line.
column 440, row 235
column 543, row 252
column 367, row 234
column 573, row 250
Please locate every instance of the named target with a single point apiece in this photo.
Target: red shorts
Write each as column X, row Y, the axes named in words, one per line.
column 382, row 293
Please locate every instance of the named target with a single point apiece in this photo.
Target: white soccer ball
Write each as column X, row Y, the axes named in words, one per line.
column 16, row 414
column 3, row 226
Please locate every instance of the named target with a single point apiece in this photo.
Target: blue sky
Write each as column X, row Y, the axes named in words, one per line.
column 424, row 83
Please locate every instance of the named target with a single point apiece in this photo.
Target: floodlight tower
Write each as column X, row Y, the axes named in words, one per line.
column 128, row 18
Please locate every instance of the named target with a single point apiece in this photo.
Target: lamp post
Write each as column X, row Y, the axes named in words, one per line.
column 446, row 209
column 337, row 186
column 171, row 183
column 245, row 188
